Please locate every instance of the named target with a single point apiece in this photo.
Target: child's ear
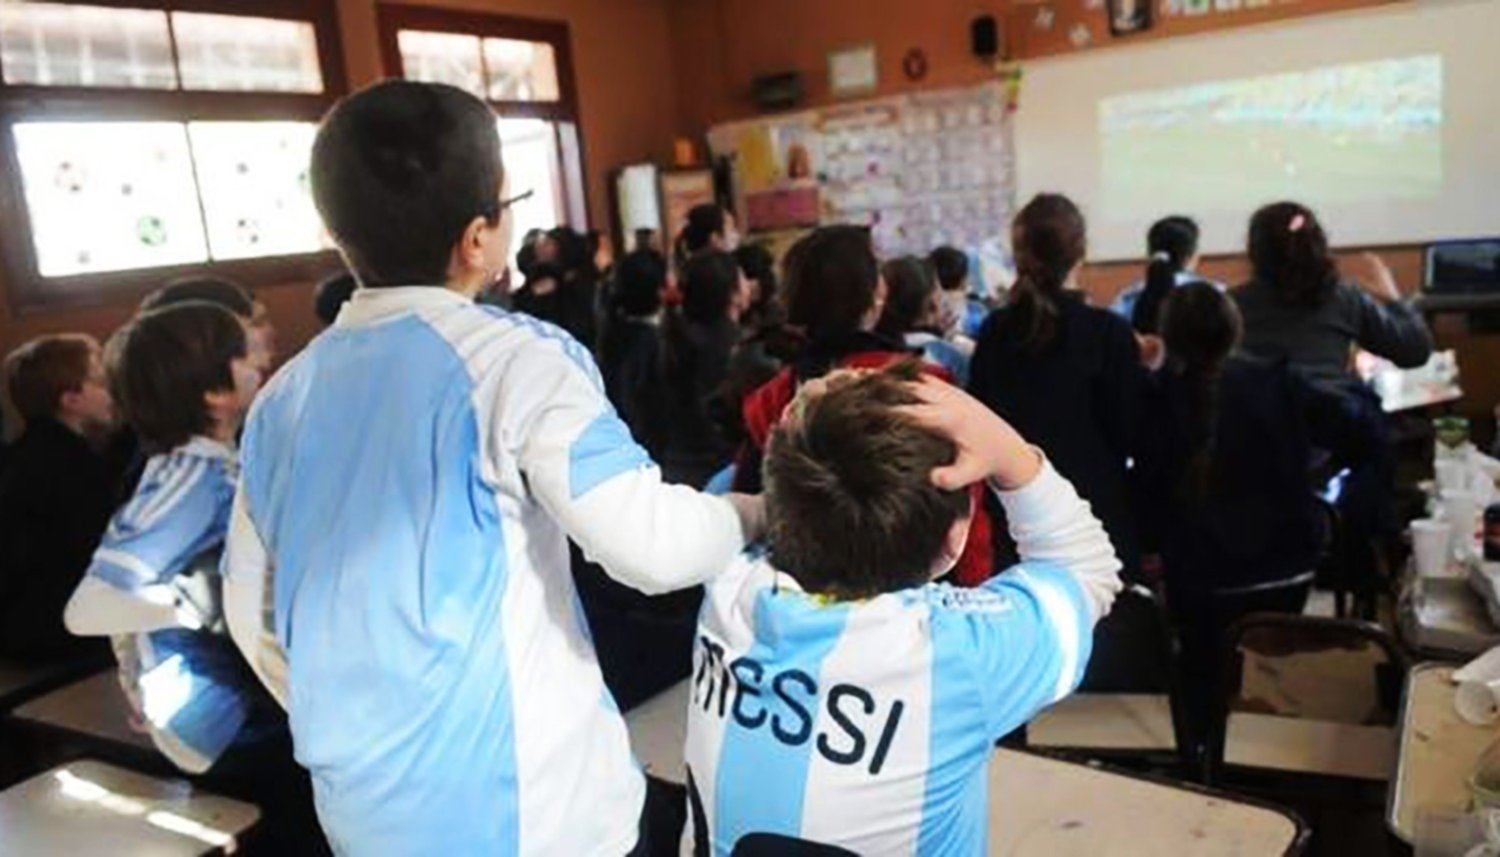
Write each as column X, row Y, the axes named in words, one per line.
column 220, row 401
column 953, row 544
column 470, row 251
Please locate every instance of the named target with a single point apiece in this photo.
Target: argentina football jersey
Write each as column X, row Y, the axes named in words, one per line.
column 869, row 725
column 185, row 683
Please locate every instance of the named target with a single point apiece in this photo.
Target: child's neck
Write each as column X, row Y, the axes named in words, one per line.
column 223, row 431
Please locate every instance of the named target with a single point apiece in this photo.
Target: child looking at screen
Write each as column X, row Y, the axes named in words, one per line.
column 839, row 695
column 57, row 494
column 183, row 378
column 411, row 480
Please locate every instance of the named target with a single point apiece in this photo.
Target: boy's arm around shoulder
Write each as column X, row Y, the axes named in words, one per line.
column 580, row 462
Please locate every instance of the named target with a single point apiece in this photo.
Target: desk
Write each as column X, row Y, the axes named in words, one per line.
column 94, row 708
column 88, row 807
column 1044, row 806
column 1437, row 752
column 20, row 682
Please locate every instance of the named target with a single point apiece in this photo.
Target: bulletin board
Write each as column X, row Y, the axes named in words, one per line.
column 920, row 170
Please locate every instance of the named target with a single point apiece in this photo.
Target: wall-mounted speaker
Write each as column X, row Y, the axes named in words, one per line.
column 984, row 37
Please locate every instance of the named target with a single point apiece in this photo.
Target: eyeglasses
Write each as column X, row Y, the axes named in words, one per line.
column 493, row 210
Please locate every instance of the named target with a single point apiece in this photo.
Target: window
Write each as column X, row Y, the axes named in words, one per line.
column 523, row 68
column 146, row 139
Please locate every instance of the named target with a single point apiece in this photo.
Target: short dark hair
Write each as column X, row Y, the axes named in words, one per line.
column 831, row 278
column 909, row 287
column 951, row 265
column 851, row 508
column 215, row 290
column 38, row 373
column 709, row 281
column 399, row 169
column 332, row 294
column 163, row 362
column 639, row 280
column 702, row 223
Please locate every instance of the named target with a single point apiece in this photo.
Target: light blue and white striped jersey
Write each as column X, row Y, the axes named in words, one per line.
column 869, row 725
column 409, row 482
column 184, row 683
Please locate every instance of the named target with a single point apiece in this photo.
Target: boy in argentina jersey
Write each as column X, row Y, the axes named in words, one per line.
column 183, row 379
column 841, row 697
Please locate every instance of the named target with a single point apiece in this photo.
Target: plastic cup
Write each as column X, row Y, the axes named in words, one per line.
column 1461, row 511
column 1478, row 702
column 1451, row 475
column 1430, row 545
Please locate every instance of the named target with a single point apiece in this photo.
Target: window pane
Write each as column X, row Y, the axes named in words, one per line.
column 234, row 52
column 51, row 44
column 521, row 71
column 528, row 148
column 441, row 58
column 256, row 198
column 109, row 196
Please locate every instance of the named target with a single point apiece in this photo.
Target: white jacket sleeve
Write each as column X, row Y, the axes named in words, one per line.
column 1051, row 523
column 579, row 461
column 247, row 577
column 99, row 609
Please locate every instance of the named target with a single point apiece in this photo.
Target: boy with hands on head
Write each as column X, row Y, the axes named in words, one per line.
column 839, row 696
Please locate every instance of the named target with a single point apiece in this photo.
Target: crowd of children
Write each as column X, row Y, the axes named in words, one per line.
column 375, row 555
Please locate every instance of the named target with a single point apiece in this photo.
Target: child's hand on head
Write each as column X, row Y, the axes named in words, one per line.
column 988, row 447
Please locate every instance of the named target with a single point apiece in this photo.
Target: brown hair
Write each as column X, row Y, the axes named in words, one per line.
column 1049, row 239
column 39, row 372
column 163, row 363
column 831, row 280
column 851, row 508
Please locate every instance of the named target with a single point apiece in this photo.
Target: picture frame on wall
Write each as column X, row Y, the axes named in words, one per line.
column 853, row 71
column 1128, row 17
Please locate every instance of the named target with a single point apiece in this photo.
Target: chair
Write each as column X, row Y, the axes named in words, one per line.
column 1126, row 708
column 1306, row 695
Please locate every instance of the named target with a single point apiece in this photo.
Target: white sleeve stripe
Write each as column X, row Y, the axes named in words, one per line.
column 170, row 494
column 131, row 563
column 1062, row 617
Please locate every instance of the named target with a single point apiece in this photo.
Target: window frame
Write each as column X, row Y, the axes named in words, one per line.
column 27, row 290
column 392, row 18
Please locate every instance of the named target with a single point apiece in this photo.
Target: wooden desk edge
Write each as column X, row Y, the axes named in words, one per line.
column 1300, row 831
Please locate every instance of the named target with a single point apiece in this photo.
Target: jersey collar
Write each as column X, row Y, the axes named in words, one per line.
column 371, row 306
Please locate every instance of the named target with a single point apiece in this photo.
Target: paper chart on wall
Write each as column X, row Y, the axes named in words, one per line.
column 920, row 170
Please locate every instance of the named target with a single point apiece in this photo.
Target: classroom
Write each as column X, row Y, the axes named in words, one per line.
column 749, row 427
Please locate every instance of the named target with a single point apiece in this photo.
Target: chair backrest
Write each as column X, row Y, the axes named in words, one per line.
column 1336, row 671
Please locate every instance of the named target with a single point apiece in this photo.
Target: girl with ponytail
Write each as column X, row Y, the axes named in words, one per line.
column 1067, row 375
column 1222, row 477
column 1297, row 305
column 1173, row 243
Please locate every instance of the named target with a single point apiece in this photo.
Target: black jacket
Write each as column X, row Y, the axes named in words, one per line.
column 1078, row 399
column 630, row 361
column 56, row 497
column 1253, row 517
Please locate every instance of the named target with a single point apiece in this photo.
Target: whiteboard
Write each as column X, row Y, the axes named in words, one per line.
column 1442, row 182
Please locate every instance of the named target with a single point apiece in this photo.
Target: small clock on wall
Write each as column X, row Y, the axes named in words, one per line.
column 852, row 70
column 914, row 65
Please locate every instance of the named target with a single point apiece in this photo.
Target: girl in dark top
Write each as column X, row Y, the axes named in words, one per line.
column 1173, row 242
column 834, row 296
column 699, row 338
column 1066, row 375
column 1297, row 307
column 1226, row 497
column 630, row 349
